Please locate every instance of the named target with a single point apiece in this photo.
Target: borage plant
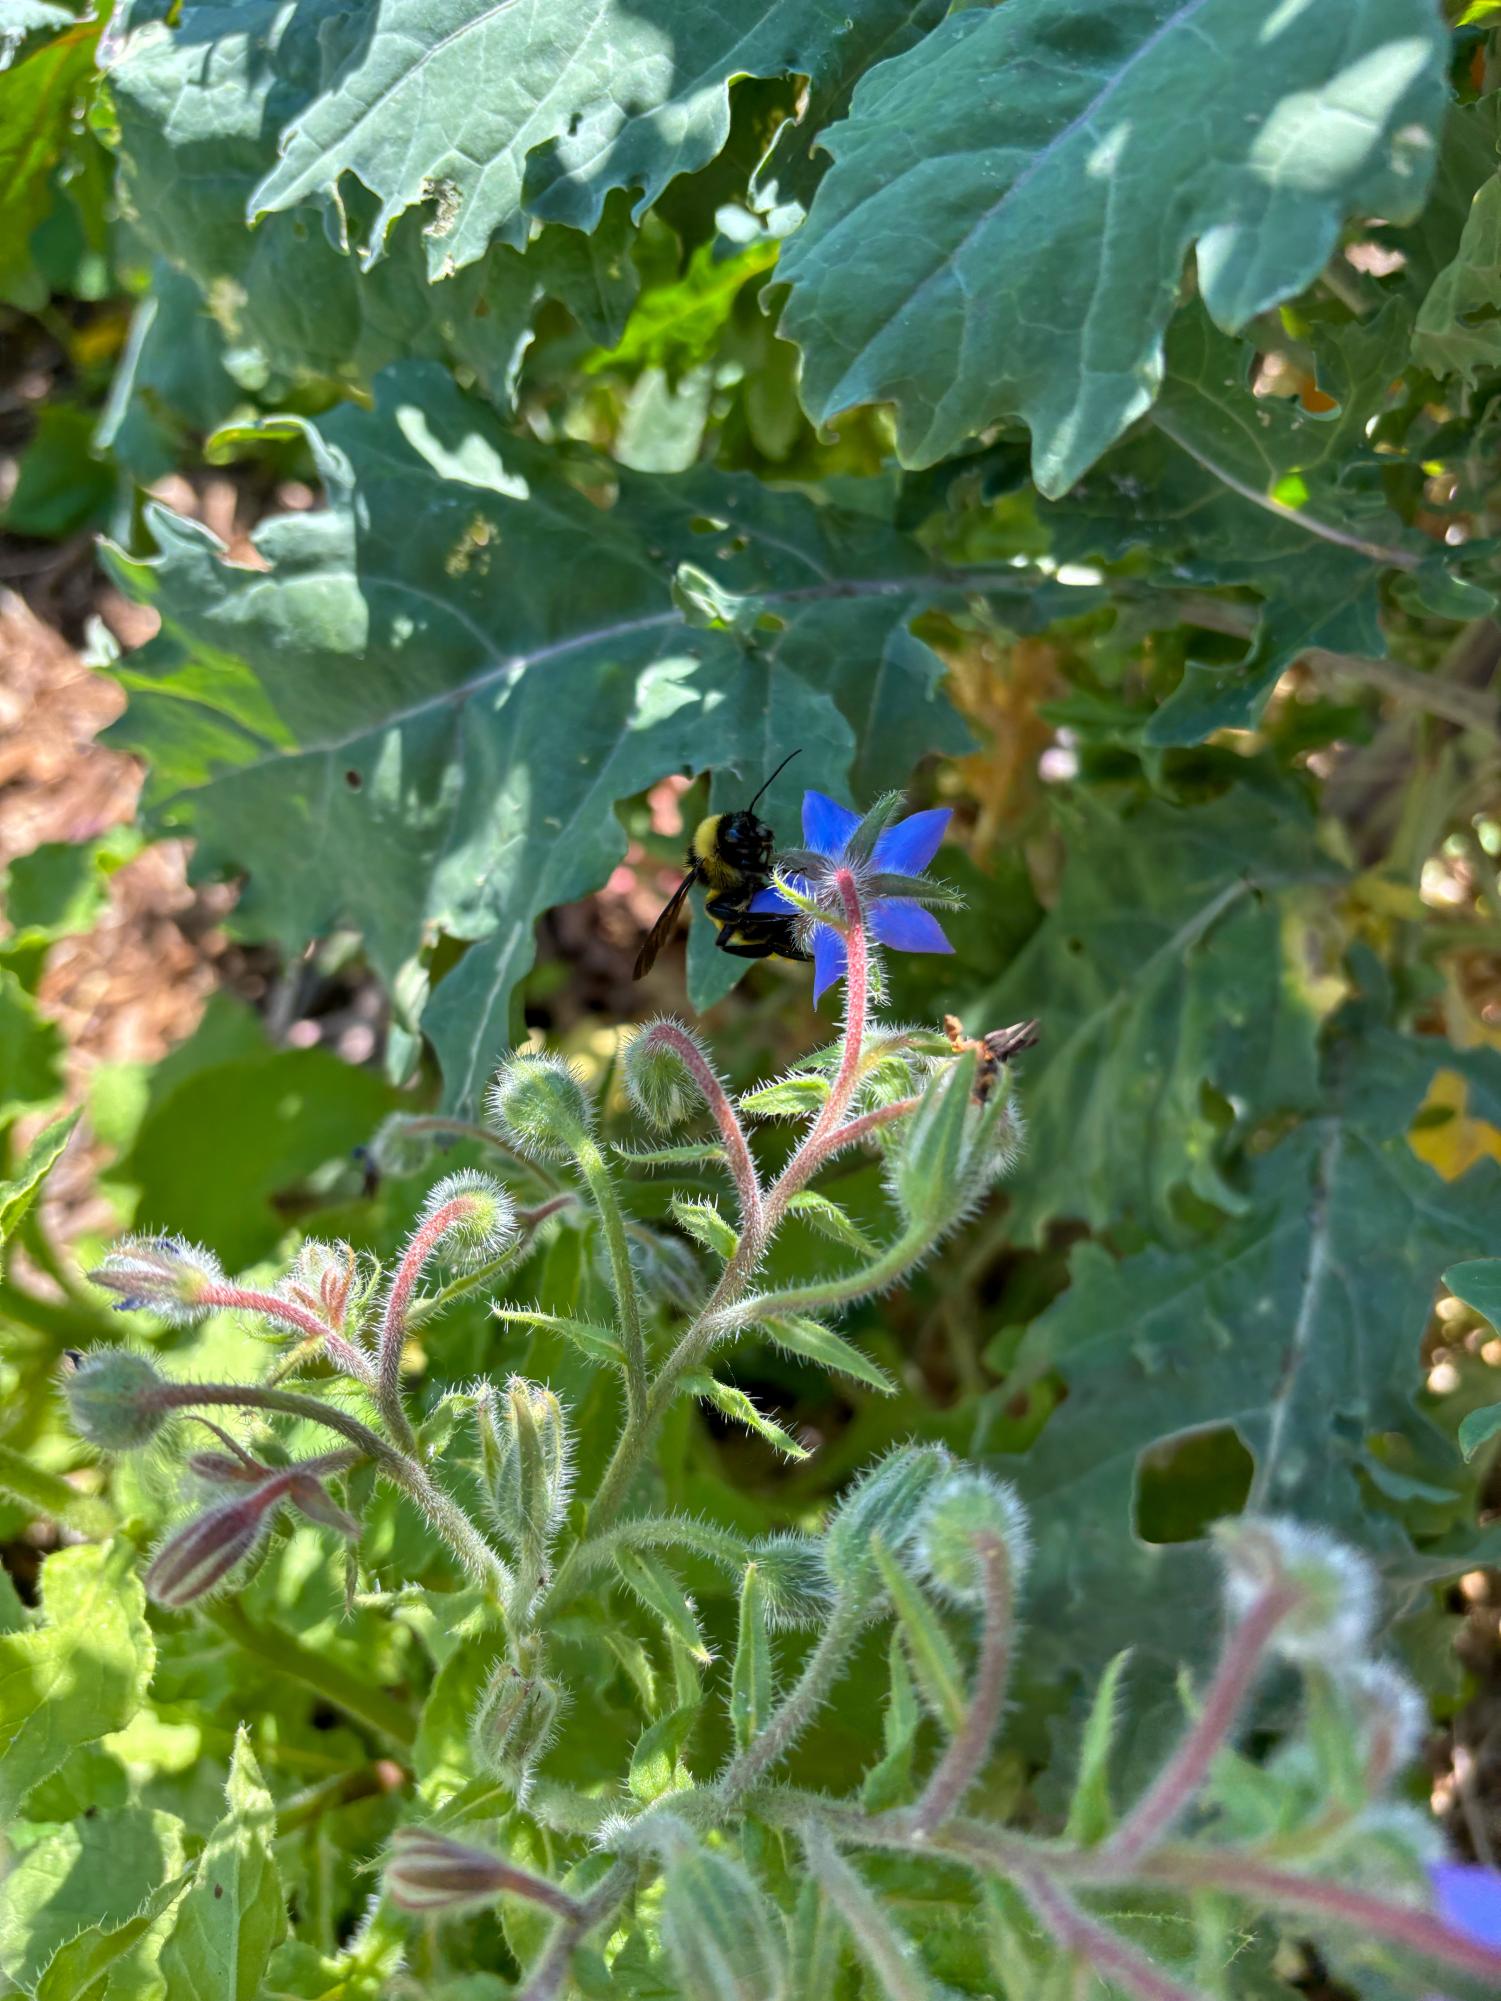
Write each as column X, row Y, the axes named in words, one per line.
column 700, row 1867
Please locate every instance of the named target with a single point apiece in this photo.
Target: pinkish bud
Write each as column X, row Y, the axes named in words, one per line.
column 327, row 1281
column 312, row 1499
column 478, row 1217
column 233, row 1467
column 199, row 1557
column 217, row 1469
column 433, row 1874
column 165, row 1275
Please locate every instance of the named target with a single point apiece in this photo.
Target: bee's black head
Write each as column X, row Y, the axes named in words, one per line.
column 746, row 842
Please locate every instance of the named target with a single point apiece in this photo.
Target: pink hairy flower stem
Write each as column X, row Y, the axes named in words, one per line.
column 709, row 1323
column 968, row 1748
column 530, row 1219
column 393, row 1326
column 315, row 1332
column 737, row 1147
column 1114, row 1958
column 549, row 1975
column 1262, row 1883
column 861, row 1128
column 814, row 1149
column 1175, row 1786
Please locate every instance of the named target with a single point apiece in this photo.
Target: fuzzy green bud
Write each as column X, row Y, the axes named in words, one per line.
column 1332, row 1589
column 884, row 1504
column 1390, row 1714
column 725, row 1941
column 929, row 1168
column 794, row 1582
column 962, row 1511
column 163, row 1275
column 538, row 1104
column 658, row 1076
column 513, row 1723
column 113, row 1398
column 477, row 1215
column 524, row 1454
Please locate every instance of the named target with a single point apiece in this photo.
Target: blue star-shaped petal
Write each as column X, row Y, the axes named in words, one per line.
column 1469, row 1899
column 905, row 848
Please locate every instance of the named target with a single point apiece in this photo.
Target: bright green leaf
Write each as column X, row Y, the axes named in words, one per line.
column 734, row 1403
column 657, row 1588
column 751, row 1686
column 703, row 1222
column 930, row 1651
column 79, row 1675
column 81, row 1884
column 817, row 1343
column 657, row 1761
column 19, row 1192
column 232, row 1917
column 1090, row 1813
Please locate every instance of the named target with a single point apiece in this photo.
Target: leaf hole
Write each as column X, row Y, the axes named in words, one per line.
column 1185, row 1483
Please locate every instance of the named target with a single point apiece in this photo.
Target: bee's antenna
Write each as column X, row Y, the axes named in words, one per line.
column 773, row 778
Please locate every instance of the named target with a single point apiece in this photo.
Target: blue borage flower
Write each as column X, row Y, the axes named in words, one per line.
column 887, row 858
column 1469, row 1899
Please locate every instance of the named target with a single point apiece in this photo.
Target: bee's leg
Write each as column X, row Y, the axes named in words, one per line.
column 734, row 946
column 725, row 907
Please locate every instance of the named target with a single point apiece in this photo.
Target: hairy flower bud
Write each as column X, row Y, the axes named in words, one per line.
column 1390, row 1713
column 514, row 1722
column 328, row 1280
column 404, row 1144
column 928, row 1168
column 113, row 1398
column 725, row 1941
column 200, row 1556
column 434, row 1874
column 538, row 1104
column 661, row 1084
column 524, row 1452
column 1332, row 1589
column 961, row 1510
column 793, row 1580
column 429, row 1873
column 479, row 1218
column 310, row 1497
column 164, row 1275
column 884, row 1503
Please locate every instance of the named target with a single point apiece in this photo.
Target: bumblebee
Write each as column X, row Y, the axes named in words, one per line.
column 730, row 854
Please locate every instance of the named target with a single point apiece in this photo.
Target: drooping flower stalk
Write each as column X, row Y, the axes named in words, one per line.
column 963, row 1760
column 316, row 1333
column 450, row 1520
column 1176, row 1785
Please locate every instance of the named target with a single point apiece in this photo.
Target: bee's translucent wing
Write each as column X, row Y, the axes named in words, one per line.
column 661, row 931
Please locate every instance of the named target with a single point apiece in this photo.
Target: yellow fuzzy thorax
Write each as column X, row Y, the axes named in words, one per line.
column 714, row 869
